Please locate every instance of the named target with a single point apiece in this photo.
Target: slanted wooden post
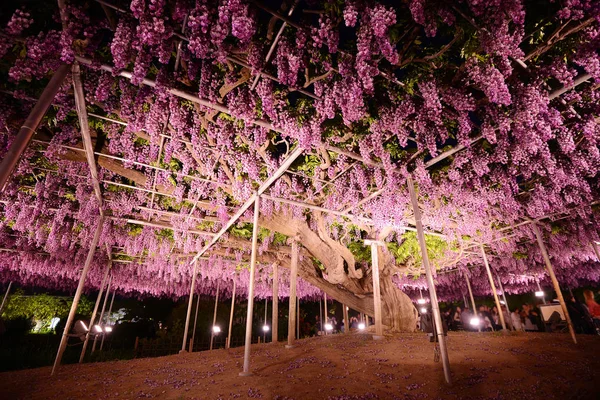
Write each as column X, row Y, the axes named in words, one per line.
column 491, row 278
column 93, row 318
column 550, row 269
column 84, row 272
column 346, row 320
column 193, row 339
column 275, row 311
column 248, row 341
column 432, row 293
column 112, row 300
column 292, row 298
column 5, row 297
column 101, row 316
column 228, row 344
column 189, row 309
column 376, row 288
column 212, row 329
column 326, row 313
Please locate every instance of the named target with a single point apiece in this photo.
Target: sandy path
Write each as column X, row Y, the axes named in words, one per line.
column 484, row 366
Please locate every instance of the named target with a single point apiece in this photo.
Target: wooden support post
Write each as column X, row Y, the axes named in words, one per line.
column 248, row 341
column 509, row 322
column 275, row 312
column 212, row 329
column 322, row 327
column 100, row 324
column 472, row 299
column 292, row 298
column 432, row 293
column 376, row 288
column 84, row 272
column 298, row 318
column 491, row 278
column 193, row 339
column 595, row 247
column 5, row 297
column 112, row 300
column 189, row 309
column 21, row 141
column 346, row 320
column 228, row 344
column 550, row 269
column 93, row 318
column 326, row 313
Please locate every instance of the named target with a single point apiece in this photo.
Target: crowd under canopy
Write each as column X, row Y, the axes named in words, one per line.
column 492, row 107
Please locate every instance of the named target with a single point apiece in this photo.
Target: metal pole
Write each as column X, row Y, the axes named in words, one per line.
column 326, row 315
column 491, row 278
column 561, row 299
column 228, row 344
column 112, row 300
column 275, row 311
column 376, row 289
column 93, row 318
column 189, row 309
column 21, row 141
column 292, row 298
column 191, row 349
column 540, row 289
column 84, row 272
column 212, row 329
column 100, row 324
column 5, row 297
column 346, row 320
column 248, row 341
column 434, row 301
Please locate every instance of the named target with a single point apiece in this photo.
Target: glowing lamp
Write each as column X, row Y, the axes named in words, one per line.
column 98, row 328
column 83, row 324
column 108, row 329
column 423, row 310
column 502, row 302
column 266, row 328
column 475, row 321
column 328, row 327
column 539, row 293
column 361, row 326
column 421, row 301
column 216, row 329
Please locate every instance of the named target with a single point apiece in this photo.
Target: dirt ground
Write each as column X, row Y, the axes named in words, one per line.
column 484, row 366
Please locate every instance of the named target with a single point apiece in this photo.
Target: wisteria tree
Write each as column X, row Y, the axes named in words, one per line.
column 491, row 106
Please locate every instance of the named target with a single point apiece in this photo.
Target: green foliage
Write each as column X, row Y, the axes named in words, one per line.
column 517, row 255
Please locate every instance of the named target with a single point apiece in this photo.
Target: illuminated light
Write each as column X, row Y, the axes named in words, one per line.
column 328, row 327
column 361, row 326
column 475, row 321
column 423, row 310
column 539, row 293
column 502, row 302
column 266, row 328
column 108, row 329
column 421, row 301
column 347, row 308
column 97, row 328
column 216, row 329
column 83, row 324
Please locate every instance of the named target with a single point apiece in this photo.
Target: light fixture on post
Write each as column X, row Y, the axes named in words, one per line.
column 421, row 300
column 266, row 328
column 216, row 330
column 475, row 321
column 328, row 327
column 98, row 328
column 423, row 310
column 361, row 326
column 108, row 329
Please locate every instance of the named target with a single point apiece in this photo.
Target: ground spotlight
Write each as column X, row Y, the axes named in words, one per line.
column 108, row 329
column 216, row 329
column 475, row 321
column 421, row 301
column 423, row 310
column 361, row 326
column 539, row 293
column 98, row 328
column 328, row 327
column 266, row 328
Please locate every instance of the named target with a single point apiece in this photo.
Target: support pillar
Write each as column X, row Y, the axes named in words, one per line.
column 191, row 348
column 432, row 293
column 112, row 300
column 248, row 341
column 5, row 297
column 472, row 299
column 346, row 320
column 101, row 316
column 326, row 313
column 596, row 251
column 376, row 288
column 84, row 272
column 189, row 309
column 292, row 299
column 298, row 318
column 228, row 343
column 275, row 312
column 550, row 269
column 322, row 327
column 212, row 329
column 491, row 278
column 509, row 322
column 93, row 318
column 540, row 289
column 21, row 141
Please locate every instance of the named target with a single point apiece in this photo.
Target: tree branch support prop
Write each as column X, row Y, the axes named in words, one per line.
column 21, row 141
column 191, row 349
column 292, row 298
column 376, row 287
column 248, row 341
column 275, row 310
column 84, row 272
column 493, row 285
column 112, row 300
column 93, row 318
column 550, row 269
column 5, row 297
column 100, row 324
column 346, row 320
column 432, row 293
column 212, row 329
column 189, row 309
column 228, row 343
